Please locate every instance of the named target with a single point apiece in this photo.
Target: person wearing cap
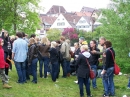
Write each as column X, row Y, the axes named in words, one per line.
column 82, row 41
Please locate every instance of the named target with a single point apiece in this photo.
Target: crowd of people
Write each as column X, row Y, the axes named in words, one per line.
column 27, row 52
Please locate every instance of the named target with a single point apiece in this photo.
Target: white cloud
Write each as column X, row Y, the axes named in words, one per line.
column 74, row 5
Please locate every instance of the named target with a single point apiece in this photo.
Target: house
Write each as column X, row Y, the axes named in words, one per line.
column 84, row 23
column 94, row 12
column 87, row 9
column 66, row 21
column 46, row 22
column 56, row 10
column 83, row 13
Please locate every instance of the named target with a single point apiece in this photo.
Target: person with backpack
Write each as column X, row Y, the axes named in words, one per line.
column 33, row 59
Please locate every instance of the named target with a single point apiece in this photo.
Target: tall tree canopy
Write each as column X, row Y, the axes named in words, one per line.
column 116, row 28
column 20, row 15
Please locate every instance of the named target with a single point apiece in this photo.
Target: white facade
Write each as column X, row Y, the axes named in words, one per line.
column 83, row 25
column 61, row 22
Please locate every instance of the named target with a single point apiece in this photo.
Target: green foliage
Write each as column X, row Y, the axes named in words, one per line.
column 116, row 27
column 19, row 15
column 54, row 34
column 88, row 35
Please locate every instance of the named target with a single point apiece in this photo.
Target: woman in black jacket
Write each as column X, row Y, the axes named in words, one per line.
column 108, row 71
column 33, row 59
column 83, row 71
column 54, row 58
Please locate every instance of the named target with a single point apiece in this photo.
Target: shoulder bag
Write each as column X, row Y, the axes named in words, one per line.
column 116, row 67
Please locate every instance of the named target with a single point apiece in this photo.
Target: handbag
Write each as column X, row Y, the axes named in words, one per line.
column 116, row 67
column 91, row 73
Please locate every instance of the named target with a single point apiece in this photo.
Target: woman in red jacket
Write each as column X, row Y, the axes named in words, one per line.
column 3, row 64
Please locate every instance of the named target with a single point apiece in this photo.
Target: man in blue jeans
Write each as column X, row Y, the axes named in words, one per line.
column 66, row 56
column 94, row 61
column 19, row 55
column 128, row 86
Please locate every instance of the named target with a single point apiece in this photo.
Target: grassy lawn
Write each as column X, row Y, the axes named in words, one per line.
column 64, row 88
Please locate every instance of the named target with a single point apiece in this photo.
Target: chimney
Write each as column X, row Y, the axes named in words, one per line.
column 74, row 20
column 59, row 9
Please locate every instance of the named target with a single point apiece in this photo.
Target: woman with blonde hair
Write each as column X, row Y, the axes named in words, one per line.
column 54, row 58
column 33, row 59
column 83, row 70
column 44, row 49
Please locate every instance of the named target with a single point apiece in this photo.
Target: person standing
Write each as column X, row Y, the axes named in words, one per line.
column 102, row 59
column 108, row 70
column 94, row 61
column 3, row 64
column 83, row 70
column 19, row 55
column 6, row 47
column 54, row 58
column 128, row 86
column 66, row 56
column 44, row 49
column 33, row 58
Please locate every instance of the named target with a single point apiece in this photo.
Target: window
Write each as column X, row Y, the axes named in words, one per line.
column 82, row 21
column 60, row 24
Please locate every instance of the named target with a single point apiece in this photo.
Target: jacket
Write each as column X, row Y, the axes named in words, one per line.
column 94, row 57
column 2, row 61
column 101, row 53
column 54, row 56
column 65, row 48
column 44, row 49
column 109, row 58
column 6, row 41
column 32, row 53
column 83, row 68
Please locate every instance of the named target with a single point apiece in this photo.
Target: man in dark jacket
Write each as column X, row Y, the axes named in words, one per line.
column 94, row 61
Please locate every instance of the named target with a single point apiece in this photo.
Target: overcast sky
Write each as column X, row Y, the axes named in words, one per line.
column 74, row 5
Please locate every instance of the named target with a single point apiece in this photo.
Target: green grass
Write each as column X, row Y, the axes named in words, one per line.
column 64, row 88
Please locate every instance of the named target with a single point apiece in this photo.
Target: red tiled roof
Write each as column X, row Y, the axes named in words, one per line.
column 72, row 19
column 83, row 13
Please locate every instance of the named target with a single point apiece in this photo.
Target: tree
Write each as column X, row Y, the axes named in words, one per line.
column 71, row 34
column 116, row 28
column 20, row 15
column 54, row 34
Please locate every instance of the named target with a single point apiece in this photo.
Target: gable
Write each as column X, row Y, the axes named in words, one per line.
column 61, row 22
column 82, row 21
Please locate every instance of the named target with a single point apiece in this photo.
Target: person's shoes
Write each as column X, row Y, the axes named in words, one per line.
column 63, row 76
column 19, row 82
column 128, row 87
column 111, row 94
column 90, row 96
column 7, row 86
column 81, row 96
column 95, row 88
column 68, row 74
column 76, row 82
column 104, row 95
column 35, row 82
